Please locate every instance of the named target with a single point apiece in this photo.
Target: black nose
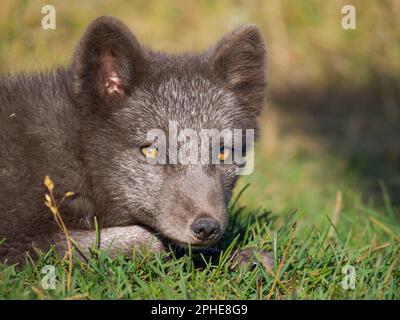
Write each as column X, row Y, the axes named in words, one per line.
column 205, row 229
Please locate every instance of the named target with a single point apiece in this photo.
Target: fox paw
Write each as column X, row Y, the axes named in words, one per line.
column 251, row 257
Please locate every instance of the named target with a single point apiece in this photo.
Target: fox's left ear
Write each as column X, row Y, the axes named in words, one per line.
column 240, row 60
column 107, row 63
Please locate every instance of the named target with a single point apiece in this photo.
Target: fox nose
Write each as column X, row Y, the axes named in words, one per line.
column 205, row 229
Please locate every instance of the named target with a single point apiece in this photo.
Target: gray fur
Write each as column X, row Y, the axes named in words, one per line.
column 84, row 126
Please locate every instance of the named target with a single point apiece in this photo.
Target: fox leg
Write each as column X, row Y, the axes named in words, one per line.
column 115, row 239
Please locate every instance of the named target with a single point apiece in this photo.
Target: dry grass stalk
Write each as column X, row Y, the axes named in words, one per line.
column 51, row 203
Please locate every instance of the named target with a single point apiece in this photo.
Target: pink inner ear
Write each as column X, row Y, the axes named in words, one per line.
column 111, row 79
column 113, row 84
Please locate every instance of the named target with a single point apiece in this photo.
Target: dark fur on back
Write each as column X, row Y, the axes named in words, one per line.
column 84, row 125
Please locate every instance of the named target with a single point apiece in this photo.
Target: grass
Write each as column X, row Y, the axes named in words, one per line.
column 326, row 186
column 308, row 265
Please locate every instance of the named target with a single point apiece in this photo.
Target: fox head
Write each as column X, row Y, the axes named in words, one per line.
column 126, row 90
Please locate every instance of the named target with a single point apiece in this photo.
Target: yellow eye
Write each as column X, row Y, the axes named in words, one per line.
column 150, row 152
column 224, row 154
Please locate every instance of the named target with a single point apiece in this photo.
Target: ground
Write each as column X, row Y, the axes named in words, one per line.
column 312, row 261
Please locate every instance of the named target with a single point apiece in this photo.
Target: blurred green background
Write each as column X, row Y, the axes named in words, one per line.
column 331, row 131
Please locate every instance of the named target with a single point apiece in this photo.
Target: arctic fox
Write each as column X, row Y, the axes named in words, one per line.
column 85, row 126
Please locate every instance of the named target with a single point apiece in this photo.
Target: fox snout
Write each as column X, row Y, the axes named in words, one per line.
column 194, row 210
column 206, row 229
column 201, row 227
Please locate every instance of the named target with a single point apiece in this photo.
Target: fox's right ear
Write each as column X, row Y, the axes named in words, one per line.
column 107, row 63
column 240, row 60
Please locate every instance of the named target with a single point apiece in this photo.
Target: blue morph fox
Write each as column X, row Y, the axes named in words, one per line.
column 85, row 126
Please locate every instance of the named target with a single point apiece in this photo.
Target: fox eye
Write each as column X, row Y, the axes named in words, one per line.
column 224, row 153
column 150, row 152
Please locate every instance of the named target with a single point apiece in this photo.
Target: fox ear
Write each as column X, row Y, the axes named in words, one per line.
column 107, row 63
column 240, row 60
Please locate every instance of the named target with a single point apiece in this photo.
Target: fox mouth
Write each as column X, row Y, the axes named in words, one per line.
column 186, row 241
column 197, row 244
